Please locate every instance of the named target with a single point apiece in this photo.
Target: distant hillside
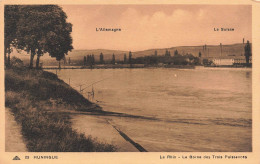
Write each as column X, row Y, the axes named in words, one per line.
column 234, row 51
column 211, row 51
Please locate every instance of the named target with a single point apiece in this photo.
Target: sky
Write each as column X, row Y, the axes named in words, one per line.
column 157, row 26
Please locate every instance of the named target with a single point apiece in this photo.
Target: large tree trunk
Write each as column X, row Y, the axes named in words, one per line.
column 31, row 59
column 38, row 61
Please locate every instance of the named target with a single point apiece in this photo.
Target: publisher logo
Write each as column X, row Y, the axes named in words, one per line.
column 16, row 158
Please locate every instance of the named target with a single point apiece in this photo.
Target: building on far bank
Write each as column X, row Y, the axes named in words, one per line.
column 223, row 62
column 230, row 61
column 242, row 61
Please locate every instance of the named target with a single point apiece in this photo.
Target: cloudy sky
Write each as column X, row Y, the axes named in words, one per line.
column 157, row 26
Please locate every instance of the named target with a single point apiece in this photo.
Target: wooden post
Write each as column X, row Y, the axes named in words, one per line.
column 69, row 81
column 59, row 65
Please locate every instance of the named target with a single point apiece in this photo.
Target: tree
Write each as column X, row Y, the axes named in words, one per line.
column 130, row 58
column 101, row 58
column 85, row 61
column 248, row 52
column 176, row 53
column 113, row 59
column 58, row 39
column 43, row 29
column 125, row 59
column 88, row 60
column 92, row 59
column 29, row 30
column 167, row 53
column 11, row 17
column 199, row 54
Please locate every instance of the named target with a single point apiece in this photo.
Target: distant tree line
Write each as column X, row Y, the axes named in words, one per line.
column 36, row 29
column 89, row 60
column 154, row 59
column 176, row 59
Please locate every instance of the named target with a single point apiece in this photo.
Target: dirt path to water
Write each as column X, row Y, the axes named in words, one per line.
column 104, row 131
column 14, row 141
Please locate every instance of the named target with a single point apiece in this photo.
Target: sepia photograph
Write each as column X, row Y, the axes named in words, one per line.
column 128, row 78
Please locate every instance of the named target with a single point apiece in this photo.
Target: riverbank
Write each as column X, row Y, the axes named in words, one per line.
column 35, row 97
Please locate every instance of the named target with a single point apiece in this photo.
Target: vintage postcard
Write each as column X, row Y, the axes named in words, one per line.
column 130, row 82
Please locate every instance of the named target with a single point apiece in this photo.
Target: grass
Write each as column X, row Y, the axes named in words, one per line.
column 36, row 98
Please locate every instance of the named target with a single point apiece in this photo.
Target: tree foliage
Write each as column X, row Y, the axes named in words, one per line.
column 176, row 53
column 93, row 59
column 84, row 61
column 125, row 59
column 177, row 59
column 42, row 29
column 199, row 54
column 167, row 53
column 130, row 57
column 90, row 60
column 113, row 61
column 11, row 18
column 101, row 58
column 155, row 53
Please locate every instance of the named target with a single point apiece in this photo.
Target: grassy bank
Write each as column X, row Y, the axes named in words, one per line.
column 37, row 98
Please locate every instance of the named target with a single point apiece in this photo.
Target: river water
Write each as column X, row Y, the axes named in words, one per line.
column 202, row 109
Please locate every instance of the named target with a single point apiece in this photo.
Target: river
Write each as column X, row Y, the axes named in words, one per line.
column 194, row 110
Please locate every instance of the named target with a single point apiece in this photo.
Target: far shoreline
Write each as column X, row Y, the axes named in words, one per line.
column 141, row 67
